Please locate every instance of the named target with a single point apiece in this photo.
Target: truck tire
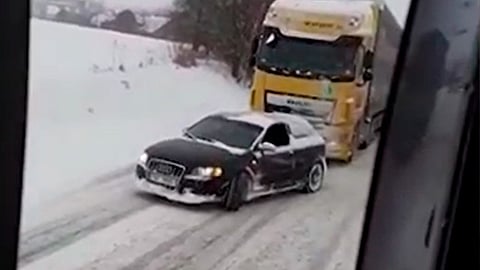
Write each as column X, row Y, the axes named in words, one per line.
column 369, row 137
column 363, row 145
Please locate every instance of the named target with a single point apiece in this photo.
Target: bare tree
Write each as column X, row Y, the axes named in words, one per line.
column 225, row 27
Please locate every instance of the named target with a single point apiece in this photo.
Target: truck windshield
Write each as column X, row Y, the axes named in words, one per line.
column 306, row 57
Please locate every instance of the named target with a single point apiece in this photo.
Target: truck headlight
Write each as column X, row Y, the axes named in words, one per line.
column 143, row 159
column 208, row 171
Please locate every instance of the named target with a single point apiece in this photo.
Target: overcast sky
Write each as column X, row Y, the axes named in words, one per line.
column 399, row 7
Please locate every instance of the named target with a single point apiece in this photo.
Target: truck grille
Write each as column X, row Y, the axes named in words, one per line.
column 165, row 172
column 305, row 106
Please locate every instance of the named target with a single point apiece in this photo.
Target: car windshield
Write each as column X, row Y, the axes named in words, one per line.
column 230, row 132
column 307, row 57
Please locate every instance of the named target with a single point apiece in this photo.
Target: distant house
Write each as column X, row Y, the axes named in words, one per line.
column 154, row 22
column 49, row 9
column 170, row 30
column 126, row 22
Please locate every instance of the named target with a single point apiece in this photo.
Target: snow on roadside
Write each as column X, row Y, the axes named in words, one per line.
column 399, row 9
column 86, row 118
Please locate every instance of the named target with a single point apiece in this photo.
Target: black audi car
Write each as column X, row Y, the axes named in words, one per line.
column 234, row 157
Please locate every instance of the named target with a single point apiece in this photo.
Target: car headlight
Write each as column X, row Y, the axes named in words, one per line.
column 208, row 171
column 143, row 158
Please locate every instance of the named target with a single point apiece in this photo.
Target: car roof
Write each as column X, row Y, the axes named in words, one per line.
column 263, row 119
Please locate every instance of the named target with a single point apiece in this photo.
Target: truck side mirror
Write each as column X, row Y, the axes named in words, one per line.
column 367, row 75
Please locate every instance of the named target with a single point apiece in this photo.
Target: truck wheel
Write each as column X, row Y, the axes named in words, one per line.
column 364, row 140
column 236, row 192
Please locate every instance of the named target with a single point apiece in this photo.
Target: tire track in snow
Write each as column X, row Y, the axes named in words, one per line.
column 160, row 222
column 77, row 199
column 49, row 238
column 280, row 224
column 214, row 253
column 205, row 248
column 143, row 261
column 109, row 261
column 99, row 204
column 249, row 233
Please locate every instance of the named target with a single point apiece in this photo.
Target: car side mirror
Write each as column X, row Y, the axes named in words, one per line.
column 367, row 76
column 267, row 147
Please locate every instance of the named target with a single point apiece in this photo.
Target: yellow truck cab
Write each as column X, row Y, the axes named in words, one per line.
column 315, row 59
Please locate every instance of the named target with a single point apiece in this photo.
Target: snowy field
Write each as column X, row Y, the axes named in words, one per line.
column 86, row 120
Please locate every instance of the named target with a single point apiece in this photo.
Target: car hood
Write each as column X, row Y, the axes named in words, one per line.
column 191, row 153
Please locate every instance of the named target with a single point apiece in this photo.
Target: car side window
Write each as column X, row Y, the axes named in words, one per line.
column 277, row 135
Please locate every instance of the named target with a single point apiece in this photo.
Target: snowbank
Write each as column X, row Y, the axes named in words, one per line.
column 87, row 118
column 399, row 9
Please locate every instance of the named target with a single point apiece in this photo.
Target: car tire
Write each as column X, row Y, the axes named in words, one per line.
column 236, row 192
column 315, row 178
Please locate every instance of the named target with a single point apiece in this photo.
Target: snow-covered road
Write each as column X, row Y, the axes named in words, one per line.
column 109, row 225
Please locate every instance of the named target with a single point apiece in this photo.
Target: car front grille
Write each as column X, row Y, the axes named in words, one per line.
column 168, row 170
